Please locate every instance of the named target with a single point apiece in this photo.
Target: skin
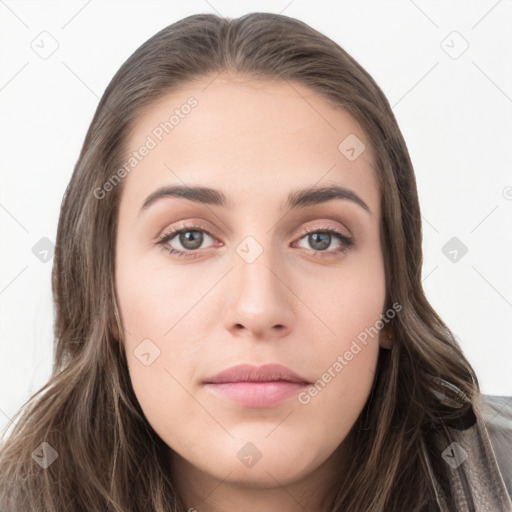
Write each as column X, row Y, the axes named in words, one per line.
column 255, row 141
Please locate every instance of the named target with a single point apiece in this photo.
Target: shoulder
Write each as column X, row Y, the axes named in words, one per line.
column 496, row 412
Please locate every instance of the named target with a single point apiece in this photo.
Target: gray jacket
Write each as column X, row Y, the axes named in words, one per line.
column 480, row 460
column 497, row 413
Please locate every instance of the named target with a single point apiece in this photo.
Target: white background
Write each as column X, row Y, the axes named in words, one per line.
column 455, row 114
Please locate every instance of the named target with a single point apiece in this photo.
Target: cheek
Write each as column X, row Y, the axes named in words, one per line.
column 159, row 308
column 350, row 305
column 346, row 302
column 346, row 357
column 156, row 295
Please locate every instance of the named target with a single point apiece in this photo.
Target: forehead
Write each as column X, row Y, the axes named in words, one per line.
column 248, row 136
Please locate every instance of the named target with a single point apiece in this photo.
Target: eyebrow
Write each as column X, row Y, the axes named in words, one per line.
column 299, row 198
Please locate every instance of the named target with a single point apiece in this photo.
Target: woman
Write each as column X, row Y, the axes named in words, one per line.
column 304, row 368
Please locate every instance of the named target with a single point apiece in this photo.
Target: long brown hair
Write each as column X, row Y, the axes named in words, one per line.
column 109, row 457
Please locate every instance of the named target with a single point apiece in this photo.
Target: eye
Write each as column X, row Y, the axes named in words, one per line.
column 189, row 237
column 320, row 239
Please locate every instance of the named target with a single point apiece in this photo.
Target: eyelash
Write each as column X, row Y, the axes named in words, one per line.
column 168, row 236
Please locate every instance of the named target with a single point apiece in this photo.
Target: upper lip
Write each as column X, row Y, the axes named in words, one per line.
column 249, row 373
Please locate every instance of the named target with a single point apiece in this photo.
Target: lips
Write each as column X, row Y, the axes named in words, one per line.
column 265, row 373
column 250, row 386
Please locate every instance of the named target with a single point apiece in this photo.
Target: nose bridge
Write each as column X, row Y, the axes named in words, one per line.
column 256, row 265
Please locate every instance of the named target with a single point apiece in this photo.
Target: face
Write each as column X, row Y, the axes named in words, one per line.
column 257, row 276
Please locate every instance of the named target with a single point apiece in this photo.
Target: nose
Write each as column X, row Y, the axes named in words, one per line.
column 260, row 298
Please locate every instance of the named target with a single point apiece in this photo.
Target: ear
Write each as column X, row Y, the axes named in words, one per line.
column 386, row 337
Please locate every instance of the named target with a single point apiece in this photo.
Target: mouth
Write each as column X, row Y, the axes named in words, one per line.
column 260, row 387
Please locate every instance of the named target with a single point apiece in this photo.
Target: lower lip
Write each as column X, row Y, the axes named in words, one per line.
column 257, row 394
